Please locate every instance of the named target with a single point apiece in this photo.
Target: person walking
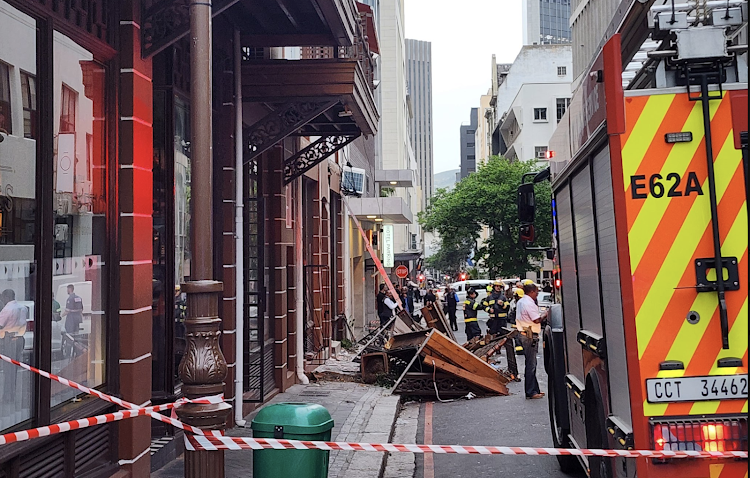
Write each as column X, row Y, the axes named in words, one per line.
column 528, row 324
column 73, row 311
column 13, row 315
column 451, row 299
column 430, row 298
column 471, row 305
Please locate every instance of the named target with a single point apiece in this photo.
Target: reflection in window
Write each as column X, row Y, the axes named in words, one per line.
column 5, row 117
column 28, row 96
column 79, row 281
column 182, row 222
column 17, row 223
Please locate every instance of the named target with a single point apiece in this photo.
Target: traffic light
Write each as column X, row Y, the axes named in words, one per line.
column 420, row 277
column 549, row 154
column 462, row 276
column 558, row 281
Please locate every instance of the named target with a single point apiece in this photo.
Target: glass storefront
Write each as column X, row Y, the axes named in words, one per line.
column 171, row 251
column 80, row 228
column 54, row 238
column 18, row 221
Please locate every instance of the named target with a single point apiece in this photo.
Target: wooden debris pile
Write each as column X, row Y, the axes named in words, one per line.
column 488, row 345
column 435, row 365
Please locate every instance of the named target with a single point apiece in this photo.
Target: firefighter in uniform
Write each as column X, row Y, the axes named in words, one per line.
column 498, row 306
column 471, row 305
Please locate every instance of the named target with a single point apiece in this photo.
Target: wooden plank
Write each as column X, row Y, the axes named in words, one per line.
column 441, row 346
column 482, row 382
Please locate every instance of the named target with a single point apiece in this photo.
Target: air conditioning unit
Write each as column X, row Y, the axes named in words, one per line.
column 353, row 181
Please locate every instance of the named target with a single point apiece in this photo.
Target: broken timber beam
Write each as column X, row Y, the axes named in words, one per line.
column 485, row 383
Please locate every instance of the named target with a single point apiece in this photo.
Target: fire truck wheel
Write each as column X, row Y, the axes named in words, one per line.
column 568, row 464
column 596, row 432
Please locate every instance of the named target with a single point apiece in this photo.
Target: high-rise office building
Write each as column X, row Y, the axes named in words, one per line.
column 419, row 80
column 546, row 22
column 468, row 144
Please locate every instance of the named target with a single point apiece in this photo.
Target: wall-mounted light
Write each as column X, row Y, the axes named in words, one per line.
column 380, row 219
column 394, row 182
column 371, row 217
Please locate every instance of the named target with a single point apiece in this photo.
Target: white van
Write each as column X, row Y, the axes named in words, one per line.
column 480, row 285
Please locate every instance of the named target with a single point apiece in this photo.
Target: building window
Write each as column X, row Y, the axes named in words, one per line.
column 540, row 152
column 5, row 118
column 68, row 110
column 413, row 242
column 471, row 156
column 562, row 70
column 562, row 106
column 540, row 114
column 470, row 131
column 28, row 95
column 469, row 145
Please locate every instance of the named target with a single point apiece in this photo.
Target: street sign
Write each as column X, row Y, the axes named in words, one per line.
column 402, row 272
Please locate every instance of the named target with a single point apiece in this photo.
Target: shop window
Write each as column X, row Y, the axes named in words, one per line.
column 18, row 237
column 79, row 276
column 6, row 119
column 28, row 96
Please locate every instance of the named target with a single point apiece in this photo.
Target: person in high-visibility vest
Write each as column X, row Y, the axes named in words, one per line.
column 471, row 305
column 497, row 305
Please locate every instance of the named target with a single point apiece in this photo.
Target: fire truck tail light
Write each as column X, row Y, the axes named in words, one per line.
column 701, row 435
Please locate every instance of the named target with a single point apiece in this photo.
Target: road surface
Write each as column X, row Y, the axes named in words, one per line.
column 503, row 421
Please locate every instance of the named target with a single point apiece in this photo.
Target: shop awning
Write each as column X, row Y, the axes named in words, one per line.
column 385, row 210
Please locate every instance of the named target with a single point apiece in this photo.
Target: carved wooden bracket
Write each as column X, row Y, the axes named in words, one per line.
column 297, row 164
column 163, row 22
column 280, row 123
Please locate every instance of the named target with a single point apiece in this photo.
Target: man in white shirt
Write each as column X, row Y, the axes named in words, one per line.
column 528, row 323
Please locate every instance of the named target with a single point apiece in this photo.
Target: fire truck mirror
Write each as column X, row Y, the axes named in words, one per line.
column 526, row 203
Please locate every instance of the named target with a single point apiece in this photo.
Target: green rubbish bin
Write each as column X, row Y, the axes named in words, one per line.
column 292, row 421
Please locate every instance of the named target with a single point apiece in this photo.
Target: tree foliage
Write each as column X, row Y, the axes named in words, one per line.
column 488, row 198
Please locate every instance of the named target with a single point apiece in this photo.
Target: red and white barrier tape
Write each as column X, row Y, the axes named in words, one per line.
column 82, row 423
column 211, row 443
column 123, row 403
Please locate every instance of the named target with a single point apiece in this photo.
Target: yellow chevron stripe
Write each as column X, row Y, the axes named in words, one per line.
column 683, row 247
column 737, row 335
column 689, row 336
column 654, row 208
column 643, row 133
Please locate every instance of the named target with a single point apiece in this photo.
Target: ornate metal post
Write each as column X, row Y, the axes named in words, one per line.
column 203, row 368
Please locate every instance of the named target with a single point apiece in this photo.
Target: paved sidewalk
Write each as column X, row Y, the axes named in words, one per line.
column 361, row 413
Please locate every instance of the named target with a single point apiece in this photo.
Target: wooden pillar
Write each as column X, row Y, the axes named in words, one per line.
column 136, row 230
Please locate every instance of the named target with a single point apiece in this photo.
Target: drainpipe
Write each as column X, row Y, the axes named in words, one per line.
column 300, row 287
column 239, row 245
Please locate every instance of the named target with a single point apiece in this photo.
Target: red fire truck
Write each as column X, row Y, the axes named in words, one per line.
column 648, row 347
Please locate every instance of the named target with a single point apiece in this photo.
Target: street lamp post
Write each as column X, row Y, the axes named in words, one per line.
column 203, row 367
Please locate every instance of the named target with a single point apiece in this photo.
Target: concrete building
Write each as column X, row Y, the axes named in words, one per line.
column 396, row 158
column 467, row 137
column 419, row 79
column 545, row 22
column 543, row 72
column 483, row 135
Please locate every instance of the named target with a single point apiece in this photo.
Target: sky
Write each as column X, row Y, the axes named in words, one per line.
column 464, row 36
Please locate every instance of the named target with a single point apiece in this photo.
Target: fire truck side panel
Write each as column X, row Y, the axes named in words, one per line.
column 616, row 360
column 585, row 234
column 569, row 281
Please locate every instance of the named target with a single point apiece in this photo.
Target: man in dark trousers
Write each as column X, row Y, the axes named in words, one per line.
column 451, row 299
column 471, row 305
column 384, row 313
column 497, row 305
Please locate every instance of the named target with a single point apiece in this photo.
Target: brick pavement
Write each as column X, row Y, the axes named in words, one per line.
column 360, row 413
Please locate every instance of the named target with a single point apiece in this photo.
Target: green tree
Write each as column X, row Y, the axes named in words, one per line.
column 488, row 198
